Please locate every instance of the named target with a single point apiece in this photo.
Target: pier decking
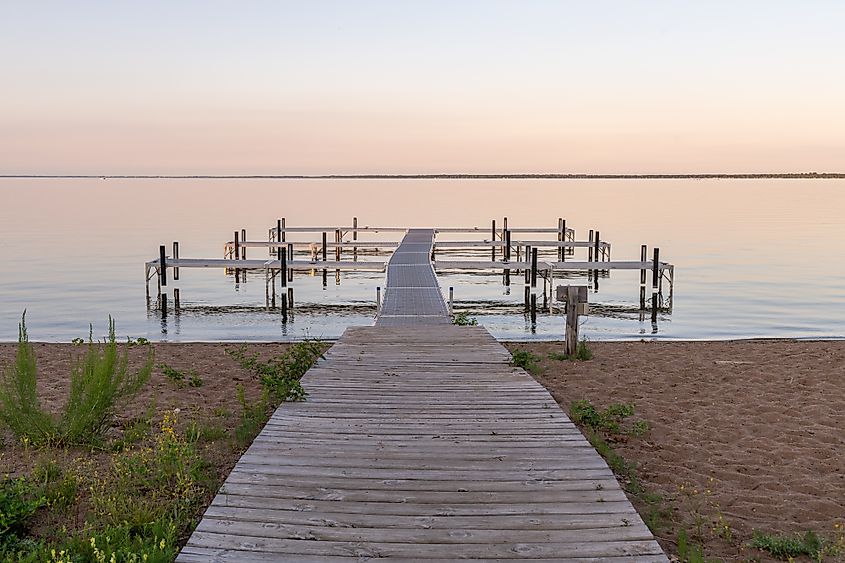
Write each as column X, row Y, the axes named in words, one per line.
column 419, row 441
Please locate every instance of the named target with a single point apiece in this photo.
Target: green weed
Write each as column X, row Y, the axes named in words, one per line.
column 608, row 420
column 253, row 417
column 280, row 375
column 689, row 552
column 98, row 382
column 462, row 319
column 787, row 547
column 525, row 360
column 582, row 353
column 19, row 500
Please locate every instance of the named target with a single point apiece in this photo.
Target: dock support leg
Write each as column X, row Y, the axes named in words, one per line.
column 493, row 240
column 451, row 299
column 654, row 281
column 355, row 238
column 643, row 258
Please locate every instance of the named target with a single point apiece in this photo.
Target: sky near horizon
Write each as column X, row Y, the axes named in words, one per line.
column 267, row 87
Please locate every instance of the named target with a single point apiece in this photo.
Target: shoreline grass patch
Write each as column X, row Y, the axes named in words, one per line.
column 99, row 382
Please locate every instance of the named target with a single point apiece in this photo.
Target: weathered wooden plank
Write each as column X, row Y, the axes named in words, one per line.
column 306, row 546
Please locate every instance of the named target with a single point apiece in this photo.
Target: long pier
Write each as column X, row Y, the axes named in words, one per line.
column 419, row 441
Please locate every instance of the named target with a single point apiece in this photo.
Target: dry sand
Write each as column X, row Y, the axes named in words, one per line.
column 760, row 424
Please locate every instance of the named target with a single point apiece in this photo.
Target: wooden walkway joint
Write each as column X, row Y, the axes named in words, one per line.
column 419, row 441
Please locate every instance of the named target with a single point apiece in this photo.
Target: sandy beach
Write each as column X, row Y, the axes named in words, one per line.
column 754, row 430
column 751, row 431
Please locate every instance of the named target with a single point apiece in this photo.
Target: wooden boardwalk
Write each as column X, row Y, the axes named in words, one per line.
column 419, row 441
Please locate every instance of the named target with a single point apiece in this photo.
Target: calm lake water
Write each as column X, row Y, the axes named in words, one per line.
column 753, row 258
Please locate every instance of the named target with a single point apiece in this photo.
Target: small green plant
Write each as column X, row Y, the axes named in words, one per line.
column 179, row 378
column 582, row 353
column 462, row 319
column 787, row 547
column 194, row 380
column 689, row 552
column 608, row 420
column 525, row 360
column 98, row 382
column 18, row 502
column 253, row 417
column 173, row 374
column 140, row 341
column 280, row 375
column 78, row 341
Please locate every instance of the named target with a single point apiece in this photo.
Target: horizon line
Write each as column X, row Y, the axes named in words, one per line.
column 443, row 176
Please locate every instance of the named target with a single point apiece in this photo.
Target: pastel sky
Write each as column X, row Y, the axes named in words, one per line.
column 394, row 86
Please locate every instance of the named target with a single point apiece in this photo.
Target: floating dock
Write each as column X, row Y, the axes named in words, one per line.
column 420, row 442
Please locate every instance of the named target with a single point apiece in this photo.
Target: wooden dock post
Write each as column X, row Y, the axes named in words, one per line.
column 590, row 248
column 643, row 258
column 355, row 238
column 533, row 286
column 596, row 251
column 237, row 246
column 175, row 257
column 325, row 279
column 176, row 302
column 290, row 259
column 560, row 234
column 507, row 256
column 338, row 238
column 493, row 239
column 576, row 304
column 527, row 279
column 283, row 270
column 290, row 299
column 279, row 248
column 655, row 273
column 378, row 300
column 451, row 299
column 162, row 280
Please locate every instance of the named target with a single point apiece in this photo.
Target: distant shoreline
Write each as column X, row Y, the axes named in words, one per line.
column 753, row 176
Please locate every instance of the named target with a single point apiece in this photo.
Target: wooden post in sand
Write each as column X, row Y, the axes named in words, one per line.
column 576, row 304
